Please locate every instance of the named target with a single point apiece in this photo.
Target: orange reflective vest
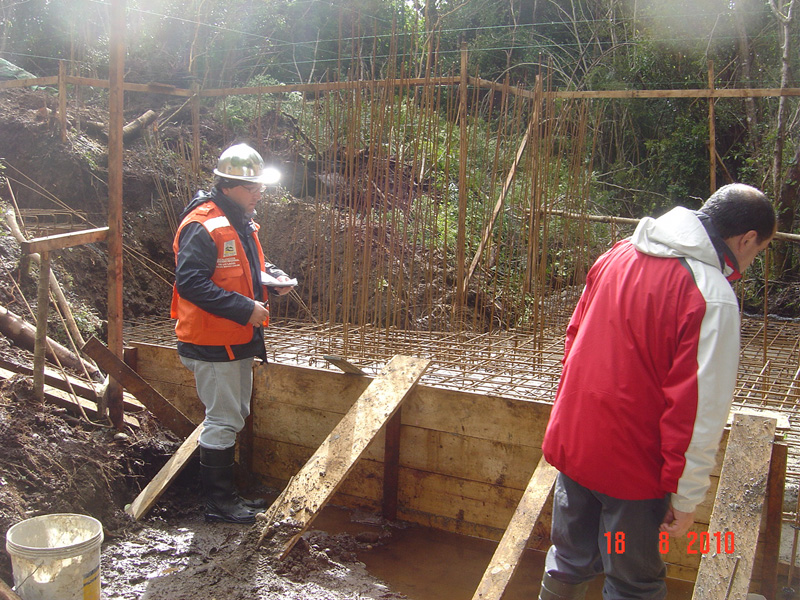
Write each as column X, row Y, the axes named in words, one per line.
column 232, row 273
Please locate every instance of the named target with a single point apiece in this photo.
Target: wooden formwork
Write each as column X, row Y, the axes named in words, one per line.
column 465, row 459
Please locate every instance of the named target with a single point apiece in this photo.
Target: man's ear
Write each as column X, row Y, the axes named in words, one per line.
column 743, row 240
column 751, row 237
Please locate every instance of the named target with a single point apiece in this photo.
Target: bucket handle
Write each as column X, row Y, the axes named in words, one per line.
column 31, row 574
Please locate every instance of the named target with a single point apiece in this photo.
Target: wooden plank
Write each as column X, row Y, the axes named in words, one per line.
column 776, row 484
column 364, row 481
column 478, row 415
column 316, row 388
column 319, row 478
column 55, row 379
column 153, row 490
column 17, row 83
column 64, row 240
column 67, row 401
column 162, row 408
column 6, row 593
column 725, row 574
column 509, row 551
column 344, row 365
column 184, row 398
column 391, row 448
column 454, row 411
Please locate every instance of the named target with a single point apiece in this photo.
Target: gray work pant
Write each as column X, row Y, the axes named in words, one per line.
column 224, row 389
column 634, row 568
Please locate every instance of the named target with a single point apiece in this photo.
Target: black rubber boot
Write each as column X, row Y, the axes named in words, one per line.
column 259, row 504
column 553, row 589
column 222, row 501
column 224, row 457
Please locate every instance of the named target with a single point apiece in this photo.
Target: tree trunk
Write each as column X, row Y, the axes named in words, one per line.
column 23, row 334
column 745, row 65
column 135, row 127
column 784, row 203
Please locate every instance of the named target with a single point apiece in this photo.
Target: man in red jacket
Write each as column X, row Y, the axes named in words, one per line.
column 649, row 371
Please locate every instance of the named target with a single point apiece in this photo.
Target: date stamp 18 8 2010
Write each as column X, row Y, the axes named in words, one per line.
column 706, row 542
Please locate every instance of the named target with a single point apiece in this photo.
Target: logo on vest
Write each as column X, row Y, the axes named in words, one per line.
column 229, row 249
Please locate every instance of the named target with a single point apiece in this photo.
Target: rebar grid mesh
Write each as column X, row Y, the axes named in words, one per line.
column 519, row 365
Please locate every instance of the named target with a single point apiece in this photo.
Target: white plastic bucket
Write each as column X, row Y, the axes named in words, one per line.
column 56, row 557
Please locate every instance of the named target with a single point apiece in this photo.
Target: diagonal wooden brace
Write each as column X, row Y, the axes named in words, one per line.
column 509, row 551
column 314, row 485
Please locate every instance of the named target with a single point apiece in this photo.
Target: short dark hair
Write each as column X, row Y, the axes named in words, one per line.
column 224, row 182
column 737, row 208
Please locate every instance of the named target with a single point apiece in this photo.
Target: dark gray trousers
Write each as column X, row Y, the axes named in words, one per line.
column 586, row 524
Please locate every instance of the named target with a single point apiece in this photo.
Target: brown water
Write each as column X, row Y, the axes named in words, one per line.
column 426, row 564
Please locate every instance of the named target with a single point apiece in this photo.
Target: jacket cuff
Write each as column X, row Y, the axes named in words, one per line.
column 682, row 504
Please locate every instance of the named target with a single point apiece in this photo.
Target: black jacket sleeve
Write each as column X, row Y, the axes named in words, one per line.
column 197, row 259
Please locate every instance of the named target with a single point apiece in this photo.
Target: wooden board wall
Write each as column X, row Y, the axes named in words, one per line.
column 465, row 458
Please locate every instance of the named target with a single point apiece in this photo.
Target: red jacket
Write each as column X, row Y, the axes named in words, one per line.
column 232, row 273
column 649, row 366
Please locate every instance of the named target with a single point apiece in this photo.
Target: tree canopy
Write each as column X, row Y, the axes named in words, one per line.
column 650, row 154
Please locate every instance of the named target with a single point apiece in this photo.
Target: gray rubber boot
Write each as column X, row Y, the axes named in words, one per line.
column 553, row 589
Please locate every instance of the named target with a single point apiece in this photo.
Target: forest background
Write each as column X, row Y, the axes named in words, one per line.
column 644, row 157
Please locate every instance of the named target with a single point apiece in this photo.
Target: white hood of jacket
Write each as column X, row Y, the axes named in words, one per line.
column 678, row 234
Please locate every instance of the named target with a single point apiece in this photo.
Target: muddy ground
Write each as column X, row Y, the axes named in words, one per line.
column 54, row 462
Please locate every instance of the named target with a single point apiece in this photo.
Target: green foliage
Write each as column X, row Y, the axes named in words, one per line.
column 645, row 155
column 238, row 112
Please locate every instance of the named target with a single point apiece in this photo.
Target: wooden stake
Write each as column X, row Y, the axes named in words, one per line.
column 776, row 485
column 116, row 104
column 42, row 308
column 62, row 99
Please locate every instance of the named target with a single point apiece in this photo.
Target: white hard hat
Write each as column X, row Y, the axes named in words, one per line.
column 243, row 163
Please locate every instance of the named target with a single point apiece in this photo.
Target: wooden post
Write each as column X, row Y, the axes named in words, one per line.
column 153, row 490
column 776, row 484
column 43, row 246
column 42, row 308
column 724, row 572
column 116, row 103
column 391, row 466
column 712, row 131
column 62, row 99
column 391, row 446
column 462, row 187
